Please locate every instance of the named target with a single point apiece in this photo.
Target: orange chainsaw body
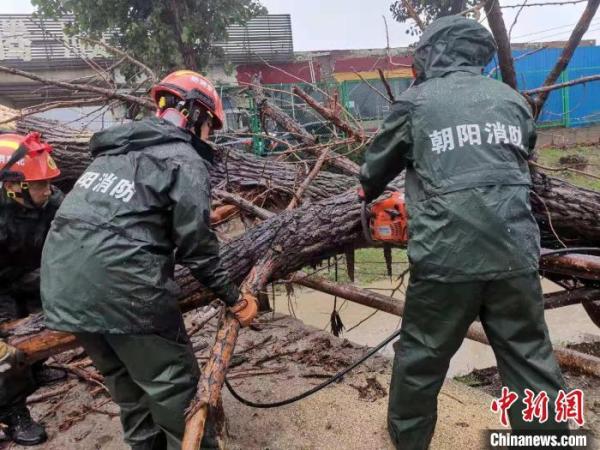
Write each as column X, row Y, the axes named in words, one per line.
column 389, row 220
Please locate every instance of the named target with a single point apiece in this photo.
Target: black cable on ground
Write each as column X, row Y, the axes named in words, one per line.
column 370, row 353
column 326, row 383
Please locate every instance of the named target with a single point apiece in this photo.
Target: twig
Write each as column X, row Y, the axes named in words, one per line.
column 313, row 173
column 377, row 91
column 255, row 373
column 52, row 105
column 265, row 62
column 516, row 18
column 243, row 204
column 524, row 55
column 552, row 87
column 270, row 357
column 316, row 375
column 387, row 86
column 362, row 321
column 567, row 53
column 328, row 114
column 108, row 93
column 258, row 344
column 123, row 54
column 549, row 218
column 564, row 169
column 84, row 375
column 46, row 395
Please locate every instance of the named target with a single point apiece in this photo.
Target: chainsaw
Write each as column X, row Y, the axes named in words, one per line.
column 386, row 222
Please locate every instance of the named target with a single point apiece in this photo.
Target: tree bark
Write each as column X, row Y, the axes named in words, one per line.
column 300, row 237
column 232, row 169
column 574, row 211
column 505, row 59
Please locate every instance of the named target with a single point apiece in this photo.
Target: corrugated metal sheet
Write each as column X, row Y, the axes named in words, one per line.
column 31, row 43
column 573, row 106
column 267, row 38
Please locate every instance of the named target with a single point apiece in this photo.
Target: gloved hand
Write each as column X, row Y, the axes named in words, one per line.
column 10, row 358
column 245, row 309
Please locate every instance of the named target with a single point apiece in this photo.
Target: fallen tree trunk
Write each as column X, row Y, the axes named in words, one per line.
column 232, row 169
column 300, row 237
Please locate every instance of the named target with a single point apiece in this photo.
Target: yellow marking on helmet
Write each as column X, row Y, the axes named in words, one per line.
column 162, row 102
column 10, row 144
column 51, row 163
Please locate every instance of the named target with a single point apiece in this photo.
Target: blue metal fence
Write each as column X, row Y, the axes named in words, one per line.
column 570, row 107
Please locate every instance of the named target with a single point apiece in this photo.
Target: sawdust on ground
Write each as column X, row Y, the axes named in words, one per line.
column 350, row 414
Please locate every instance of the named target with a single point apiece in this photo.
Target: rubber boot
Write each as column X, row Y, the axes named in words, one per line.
column 156, row 442
column 22, row 429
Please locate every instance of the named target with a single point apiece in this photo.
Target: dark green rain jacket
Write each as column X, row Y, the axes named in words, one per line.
column 22, row 234
column 142, row 205
column 464, row 141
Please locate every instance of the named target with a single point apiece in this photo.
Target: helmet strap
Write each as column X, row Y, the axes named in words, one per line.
column 24, row 195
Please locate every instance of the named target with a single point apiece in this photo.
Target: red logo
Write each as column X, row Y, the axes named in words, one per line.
column 536, row 406
column 502, row 404
column 569, row 406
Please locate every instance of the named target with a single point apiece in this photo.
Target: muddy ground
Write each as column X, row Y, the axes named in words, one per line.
column 280, row 358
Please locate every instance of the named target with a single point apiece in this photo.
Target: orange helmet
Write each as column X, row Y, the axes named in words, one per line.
column 35, row 164
column 189, row 86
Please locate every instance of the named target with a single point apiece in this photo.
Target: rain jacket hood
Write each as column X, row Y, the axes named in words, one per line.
column 137, row 136
column 452, row 44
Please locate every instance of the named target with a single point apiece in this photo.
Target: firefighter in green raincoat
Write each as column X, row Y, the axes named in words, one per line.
column 464, row 141
column 108, row 264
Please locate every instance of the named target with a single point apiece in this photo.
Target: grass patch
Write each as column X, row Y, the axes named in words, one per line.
column 469, row 379
column 550, row 157
column 369, row 266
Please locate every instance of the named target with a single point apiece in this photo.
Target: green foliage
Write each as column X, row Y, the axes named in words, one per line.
column 428, row 10
column 164, row 34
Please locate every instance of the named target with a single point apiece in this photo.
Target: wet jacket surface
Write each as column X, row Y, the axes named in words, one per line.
column 142, row 205
column 22, row 234
column 464, row 141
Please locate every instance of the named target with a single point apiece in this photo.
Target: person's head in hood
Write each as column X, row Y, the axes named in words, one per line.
column 452, row 44
column 189, row 101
